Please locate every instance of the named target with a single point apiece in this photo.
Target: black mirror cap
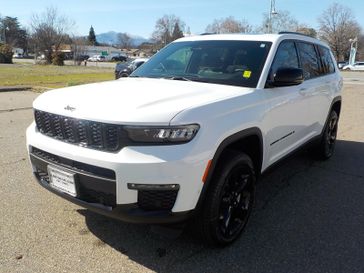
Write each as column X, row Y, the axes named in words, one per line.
column 288, row 76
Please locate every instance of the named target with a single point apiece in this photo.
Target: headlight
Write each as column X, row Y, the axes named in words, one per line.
column 183, row 133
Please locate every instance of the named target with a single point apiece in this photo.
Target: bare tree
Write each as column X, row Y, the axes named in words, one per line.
column 337, row 26
column 49, row 31
column 229, row 25
column 124, row 40
column 307, row 31
column 282, row 21
column 360, row 53
column 79, row 49
column 164, row 27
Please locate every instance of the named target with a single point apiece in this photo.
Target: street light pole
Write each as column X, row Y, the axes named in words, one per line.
column 272, row 12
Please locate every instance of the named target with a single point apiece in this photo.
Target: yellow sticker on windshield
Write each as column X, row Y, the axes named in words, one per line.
column 247, row 74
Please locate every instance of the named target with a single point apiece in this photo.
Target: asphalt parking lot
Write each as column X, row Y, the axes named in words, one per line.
column 309, row 215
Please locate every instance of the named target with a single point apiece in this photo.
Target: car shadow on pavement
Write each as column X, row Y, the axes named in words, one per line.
column 309, row 217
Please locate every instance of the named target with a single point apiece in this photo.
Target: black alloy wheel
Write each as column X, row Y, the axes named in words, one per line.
column 327, row 145
column 331, row 134
column 229, row 201
column 235, row 203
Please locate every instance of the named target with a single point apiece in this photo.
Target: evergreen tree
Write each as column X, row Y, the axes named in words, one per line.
column 92, row 37
column 13, row 33
column 177, row 32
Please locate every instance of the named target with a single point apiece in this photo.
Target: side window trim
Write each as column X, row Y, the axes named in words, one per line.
column 298, row 54
column 319, row 57
column 322, row 68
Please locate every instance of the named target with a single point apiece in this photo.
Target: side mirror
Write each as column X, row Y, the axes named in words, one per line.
column 287, row 76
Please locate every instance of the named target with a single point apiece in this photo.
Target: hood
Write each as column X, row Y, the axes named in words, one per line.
column 133, row 100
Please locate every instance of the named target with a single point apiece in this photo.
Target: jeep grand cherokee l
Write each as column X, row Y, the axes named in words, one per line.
column 189, row 133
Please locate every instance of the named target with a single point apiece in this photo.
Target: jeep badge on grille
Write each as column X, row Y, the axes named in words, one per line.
column 70, row 108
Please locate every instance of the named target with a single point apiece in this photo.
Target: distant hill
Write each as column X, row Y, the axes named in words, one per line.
column 111, row 38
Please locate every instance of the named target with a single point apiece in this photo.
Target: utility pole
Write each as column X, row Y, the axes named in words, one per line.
column 272, row 12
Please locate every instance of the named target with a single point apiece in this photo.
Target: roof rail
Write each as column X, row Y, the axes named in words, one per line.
column 297, row 33
column 208, row 33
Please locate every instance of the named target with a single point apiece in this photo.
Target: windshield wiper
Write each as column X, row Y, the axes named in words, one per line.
column 178, row 78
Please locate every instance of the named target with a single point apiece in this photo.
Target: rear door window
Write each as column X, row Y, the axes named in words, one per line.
column 309, row 60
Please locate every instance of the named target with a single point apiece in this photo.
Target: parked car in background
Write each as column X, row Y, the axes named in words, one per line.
column 355, row 66
column 340, row 65
column 82, row 57
column 17, row 55
column 125, row 69
column 97, row 58
column 41, row 57
column 119, row 58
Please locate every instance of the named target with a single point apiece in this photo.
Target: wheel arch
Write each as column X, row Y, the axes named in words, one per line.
column 249, row 141
column 336, row 105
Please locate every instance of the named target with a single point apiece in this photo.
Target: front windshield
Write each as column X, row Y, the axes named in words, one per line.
column 223, row 62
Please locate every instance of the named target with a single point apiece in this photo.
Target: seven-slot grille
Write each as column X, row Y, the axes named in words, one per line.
column 85, row 133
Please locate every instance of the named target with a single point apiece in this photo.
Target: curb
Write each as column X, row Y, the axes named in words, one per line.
column 14, row 88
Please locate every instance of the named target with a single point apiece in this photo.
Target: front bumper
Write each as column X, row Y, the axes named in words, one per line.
column 115, row 171
column 104, row 201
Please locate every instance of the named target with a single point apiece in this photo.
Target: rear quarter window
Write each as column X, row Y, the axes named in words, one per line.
column 328, row 66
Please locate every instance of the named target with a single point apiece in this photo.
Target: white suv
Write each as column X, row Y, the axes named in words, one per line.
column 189, row 133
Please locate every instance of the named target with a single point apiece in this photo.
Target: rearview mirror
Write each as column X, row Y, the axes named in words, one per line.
column 287, row 76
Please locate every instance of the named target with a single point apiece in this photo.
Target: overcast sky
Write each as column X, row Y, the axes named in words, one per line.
column 139, row 17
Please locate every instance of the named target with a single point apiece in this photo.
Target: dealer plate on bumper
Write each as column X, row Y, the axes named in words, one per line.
column 62, row 180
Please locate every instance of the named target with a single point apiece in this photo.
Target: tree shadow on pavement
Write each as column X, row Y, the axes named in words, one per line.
column 309, row 217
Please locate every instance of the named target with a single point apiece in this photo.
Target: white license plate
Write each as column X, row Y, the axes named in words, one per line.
column 62, row 180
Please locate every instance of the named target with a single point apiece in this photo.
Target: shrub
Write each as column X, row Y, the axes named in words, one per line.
column 6, row 54
column 57, row 58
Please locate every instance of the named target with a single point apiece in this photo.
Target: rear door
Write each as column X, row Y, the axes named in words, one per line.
column 287, row 120
column 315, row 87
column 328, row 85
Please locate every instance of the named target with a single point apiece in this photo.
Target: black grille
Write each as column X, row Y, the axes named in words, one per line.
column 157, row 199
column 85, row 133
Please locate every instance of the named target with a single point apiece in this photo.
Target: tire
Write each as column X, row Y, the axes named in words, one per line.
column 326, row 147
column 229, row 201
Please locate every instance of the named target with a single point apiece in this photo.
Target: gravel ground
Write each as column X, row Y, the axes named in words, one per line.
column 309, row 215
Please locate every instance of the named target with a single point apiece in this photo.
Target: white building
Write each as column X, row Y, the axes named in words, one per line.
column 107, row 51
